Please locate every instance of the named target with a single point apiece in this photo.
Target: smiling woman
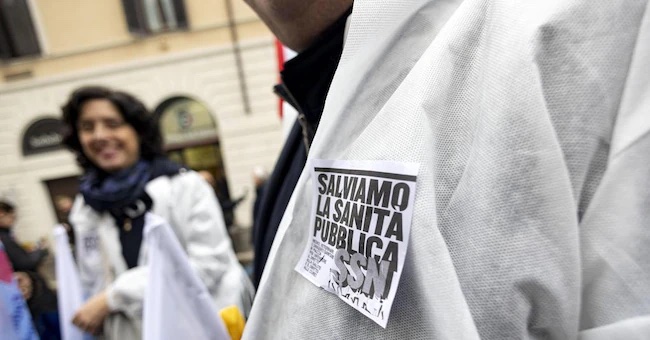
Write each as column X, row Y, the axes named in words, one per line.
column 96, row 117
column 106, row 139
column 118, row 143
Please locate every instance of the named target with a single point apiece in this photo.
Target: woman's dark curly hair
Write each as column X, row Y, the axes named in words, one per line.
column 133, row 111
column 7, row 207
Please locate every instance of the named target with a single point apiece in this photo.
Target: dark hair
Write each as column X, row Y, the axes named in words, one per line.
column 7, row 207
column 132, row 110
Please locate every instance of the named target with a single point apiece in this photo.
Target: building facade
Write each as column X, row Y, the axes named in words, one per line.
column 205, row 66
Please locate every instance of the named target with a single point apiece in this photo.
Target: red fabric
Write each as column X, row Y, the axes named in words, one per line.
column 279, row 49
column 5, row 267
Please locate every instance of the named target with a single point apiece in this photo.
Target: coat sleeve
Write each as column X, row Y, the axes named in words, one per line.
column 195, row 215
column 20, row 259
column 126, row 293
column 615, row 230
column 203, row 231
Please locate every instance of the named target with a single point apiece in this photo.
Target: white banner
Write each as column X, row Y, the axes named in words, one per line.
column 177, row 305
column 69, row 291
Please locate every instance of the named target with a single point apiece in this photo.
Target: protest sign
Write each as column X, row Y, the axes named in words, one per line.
column 360, row 226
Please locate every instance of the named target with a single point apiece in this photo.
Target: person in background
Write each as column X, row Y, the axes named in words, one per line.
column 40, row 299
column 118, row 144
column 63, row 206
column 260, row 176
column 21, row 259
column 314, row 29
column 221, row 192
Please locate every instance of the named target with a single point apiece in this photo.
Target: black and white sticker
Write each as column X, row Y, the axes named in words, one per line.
column 360, row 225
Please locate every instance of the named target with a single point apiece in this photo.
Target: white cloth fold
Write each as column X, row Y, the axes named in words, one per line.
column 177, row 305
column 69, row 292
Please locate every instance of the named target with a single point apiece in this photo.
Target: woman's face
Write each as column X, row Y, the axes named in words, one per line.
column 7, row 219
column 106, row 138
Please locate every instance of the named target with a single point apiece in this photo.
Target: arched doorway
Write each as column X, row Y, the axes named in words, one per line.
column 191, row 137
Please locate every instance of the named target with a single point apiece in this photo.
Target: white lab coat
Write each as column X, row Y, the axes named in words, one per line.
column 530, row 124
column 189, row 205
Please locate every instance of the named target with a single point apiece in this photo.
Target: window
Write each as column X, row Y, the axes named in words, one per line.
column 146, row 17
column 17, row 34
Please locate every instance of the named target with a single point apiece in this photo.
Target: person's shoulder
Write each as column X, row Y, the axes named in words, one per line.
column 81, row 211
column 184, row 181
column 186, row 177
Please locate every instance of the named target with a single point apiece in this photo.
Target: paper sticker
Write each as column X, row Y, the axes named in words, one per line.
column 360, row 225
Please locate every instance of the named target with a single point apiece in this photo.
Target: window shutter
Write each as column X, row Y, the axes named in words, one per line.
column 134, row 17
column 19, row 30
column 5, row 48
column 181, row 15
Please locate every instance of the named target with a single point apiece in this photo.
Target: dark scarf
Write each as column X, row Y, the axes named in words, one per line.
column 122, row 194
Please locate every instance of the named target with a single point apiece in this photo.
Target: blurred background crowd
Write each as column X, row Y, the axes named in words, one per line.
column 205, row 67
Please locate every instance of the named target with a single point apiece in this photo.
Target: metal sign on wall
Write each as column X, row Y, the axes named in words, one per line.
column 185, row 120
column 43, row 135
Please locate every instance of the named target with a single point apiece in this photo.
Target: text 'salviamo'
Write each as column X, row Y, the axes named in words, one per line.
column 361, row 219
